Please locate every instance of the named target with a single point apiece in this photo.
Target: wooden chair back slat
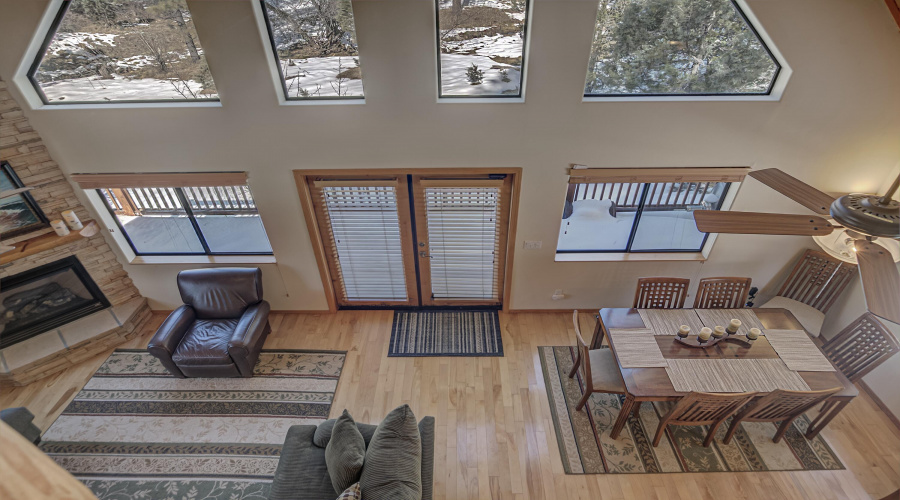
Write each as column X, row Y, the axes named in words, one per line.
column 701, row 408
column 862, row 346
column 780, row 405
column 661, row 293
column 584, row 351
column 722, row 293
column 817, row 280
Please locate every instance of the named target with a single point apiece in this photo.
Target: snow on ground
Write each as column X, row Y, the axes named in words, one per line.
column 497, row 45
column 657, row 231
column 455, row 82
column 135, row 62
column 321, row 71
column 174, row 234
column 494, row 4
column 117, row 89
column 74, row 42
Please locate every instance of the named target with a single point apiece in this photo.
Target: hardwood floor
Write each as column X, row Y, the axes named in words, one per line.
column 494, row 436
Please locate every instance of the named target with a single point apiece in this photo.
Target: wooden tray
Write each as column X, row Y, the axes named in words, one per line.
column 694, row 340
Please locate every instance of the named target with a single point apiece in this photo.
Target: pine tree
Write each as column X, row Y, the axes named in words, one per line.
column 474, row 75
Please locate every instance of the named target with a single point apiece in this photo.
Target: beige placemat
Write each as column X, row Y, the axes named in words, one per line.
column 667, row 321
column 722, row 317
column 637, row 348
column 733, row 375
column 798, row 351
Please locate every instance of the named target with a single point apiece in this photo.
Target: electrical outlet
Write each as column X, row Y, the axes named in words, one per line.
column 532, row 245
column 558, row 294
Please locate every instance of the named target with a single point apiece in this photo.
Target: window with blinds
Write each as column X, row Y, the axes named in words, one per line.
column 463, row 226
column 366, row 241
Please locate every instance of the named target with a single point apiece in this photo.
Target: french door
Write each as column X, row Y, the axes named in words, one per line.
column 413, row 239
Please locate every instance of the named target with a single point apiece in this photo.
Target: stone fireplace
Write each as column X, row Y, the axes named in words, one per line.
column 62, row 299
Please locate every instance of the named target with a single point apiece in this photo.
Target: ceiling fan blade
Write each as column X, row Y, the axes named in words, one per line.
column 794, row 189
column 880, row 280
column 712, row 221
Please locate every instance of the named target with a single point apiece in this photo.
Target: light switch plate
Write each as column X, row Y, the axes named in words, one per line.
column 532, row 245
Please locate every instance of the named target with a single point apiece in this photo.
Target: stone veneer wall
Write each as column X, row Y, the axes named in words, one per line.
column 23, row 148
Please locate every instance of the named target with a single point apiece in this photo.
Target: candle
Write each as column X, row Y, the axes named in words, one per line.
column 684, row 331
column 733, row 326
column 719, row 332
column 753, row 334
column 704, row 334
column 60, row 227
column 72, row 220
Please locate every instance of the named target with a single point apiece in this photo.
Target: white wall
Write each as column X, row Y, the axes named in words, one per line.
column 837, row 126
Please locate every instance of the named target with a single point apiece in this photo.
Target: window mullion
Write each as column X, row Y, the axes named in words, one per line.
column 190, row 213
column 637, row 217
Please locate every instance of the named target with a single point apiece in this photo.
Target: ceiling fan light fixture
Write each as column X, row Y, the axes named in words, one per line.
column 867, row 214
column 841, row 244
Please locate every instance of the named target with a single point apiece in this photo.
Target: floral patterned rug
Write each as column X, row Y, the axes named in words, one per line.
column 586, row 447
column 135, row 431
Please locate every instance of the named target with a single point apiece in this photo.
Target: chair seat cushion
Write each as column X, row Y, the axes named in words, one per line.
column 206, row 343
column 605, row 371
column 808, row 316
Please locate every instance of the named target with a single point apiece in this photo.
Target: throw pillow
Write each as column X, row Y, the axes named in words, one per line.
column 345, row 453
column 351, row 493
column 393, row 469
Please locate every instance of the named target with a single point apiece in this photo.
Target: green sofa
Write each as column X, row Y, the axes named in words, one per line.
column 302, row 474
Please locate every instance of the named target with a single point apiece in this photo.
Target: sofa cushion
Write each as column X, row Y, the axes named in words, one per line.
column 345, row 453
column 206, row 343
column 809, row 317
column 301, row 472
column 323, row 432
column 393, row 467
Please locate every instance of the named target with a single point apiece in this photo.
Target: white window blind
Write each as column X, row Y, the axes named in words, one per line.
column 365, row 230
column 463, row 238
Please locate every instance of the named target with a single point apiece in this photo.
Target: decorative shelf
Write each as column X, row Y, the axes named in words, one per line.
column 40, row 243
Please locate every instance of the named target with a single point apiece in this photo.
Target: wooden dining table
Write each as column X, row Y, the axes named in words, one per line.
column 653, row 384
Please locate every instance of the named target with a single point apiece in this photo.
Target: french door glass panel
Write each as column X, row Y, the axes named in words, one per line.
column 463, row 244
column 366, row 235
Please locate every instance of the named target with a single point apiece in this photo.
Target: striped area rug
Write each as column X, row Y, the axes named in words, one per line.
column 446, row 333
column 586, row 448
column 135, row 431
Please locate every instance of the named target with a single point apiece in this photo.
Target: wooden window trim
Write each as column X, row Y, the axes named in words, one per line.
column 673, row 174
column 160, row 180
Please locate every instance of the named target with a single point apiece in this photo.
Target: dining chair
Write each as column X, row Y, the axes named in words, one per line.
column 778, row 406
column 598, row 369
column 815, row 282
column 703, row 408
column 722, row 293
column 859, row 348
column 661, row 293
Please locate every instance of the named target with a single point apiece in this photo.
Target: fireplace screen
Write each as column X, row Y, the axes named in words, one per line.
column 44, row 298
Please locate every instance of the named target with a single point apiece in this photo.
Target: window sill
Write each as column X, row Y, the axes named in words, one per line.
column 203, row 259
column 629, row 257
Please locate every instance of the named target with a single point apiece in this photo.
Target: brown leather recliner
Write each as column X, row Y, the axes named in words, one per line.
column 220, row 329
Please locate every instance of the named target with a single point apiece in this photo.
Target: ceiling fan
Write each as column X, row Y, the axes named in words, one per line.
column 863, row 219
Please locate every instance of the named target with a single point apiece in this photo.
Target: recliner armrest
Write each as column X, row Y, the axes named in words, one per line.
column 169, row 335
column 248, row 330
column 172, row 330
